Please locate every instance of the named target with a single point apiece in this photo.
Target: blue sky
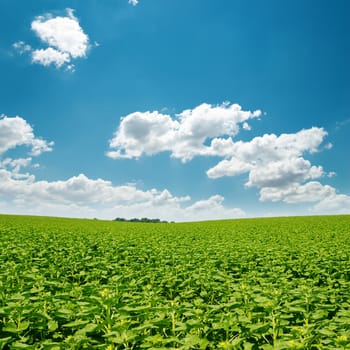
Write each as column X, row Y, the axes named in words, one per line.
column 183, row 110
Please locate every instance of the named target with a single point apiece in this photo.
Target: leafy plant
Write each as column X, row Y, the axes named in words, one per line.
column 279, row 283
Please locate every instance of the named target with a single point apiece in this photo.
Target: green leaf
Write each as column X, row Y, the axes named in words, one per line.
column 52, row 325
column 19, row 345
column 75, row 324
column 4, row 341
column 10, row 328
column 89, row 328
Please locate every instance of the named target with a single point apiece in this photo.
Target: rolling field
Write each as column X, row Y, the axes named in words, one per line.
column 276, row 283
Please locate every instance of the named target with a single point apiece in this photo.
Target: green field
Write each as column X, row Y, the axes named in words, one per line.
column 281, row 283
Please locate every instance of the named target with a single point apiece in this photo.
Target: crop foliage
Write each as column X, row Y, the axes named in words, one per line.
column 274, row 283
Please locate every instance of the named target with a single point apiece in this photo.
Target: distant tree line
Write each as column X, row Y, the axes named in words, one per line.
column 147, row 220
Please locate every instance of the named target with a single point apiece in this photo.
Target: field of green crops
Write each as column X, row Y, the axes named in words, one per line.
column 281, row 283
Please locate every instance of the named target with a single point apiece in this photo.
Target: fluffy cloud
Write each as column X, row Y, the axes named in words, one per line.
column 81, row 196
column 212, row 208
column 62, row 33
column 282, row 173
column 17, row 132
column 84, row 197
column 312, row 191
column 276, row 165
column 78, row 190
column 133, row 2
column 50, row 56
column 184, row 136
column 271, row 161
column 265, row 149
column 64, row 37
column 333, row 204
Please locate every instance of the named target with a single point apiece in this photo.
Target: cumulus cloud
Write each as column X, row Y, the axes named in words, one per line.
column 333, row 204
column 63, row 36
column 212, row 208
column 184, row 136
column 62, row 33
column 50, row 56
column 133, row 2
column 266, row 149
column 78, row 190
column 282, row 173
column 271, row 161
column 312, row 191
column 275, row 164
column 15, row 131
column 85, row 197
column 22, row 193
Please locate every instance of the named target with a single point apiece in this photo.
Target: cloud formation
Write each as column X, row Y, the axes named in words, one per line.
column 22, row 47
column 133, row 2
column 63, row 36
column 16, row 131
column 49, row 56
column 81, row 196
column 184, row 136
column 271, row 160
column 333, row 204
column 312, row 191
column 84, row 197
column 275, row 164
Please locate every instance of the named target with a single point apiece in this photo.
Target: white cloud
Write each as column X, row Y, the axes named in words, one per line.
column 140, row 133
column 275, row 164
column 271, row 148
column 15, row 164
column 81, row 196
column 22, row 47
column 62, row 33
column 133, row 2
column 84, row 197
column 50, row 56
column 230, row 167
column 15, row 131
column 282, row 173
column 312, row 191
column 272, row 160
column 212, row 208
column 184, row 136
column 246, row 126
column 64, row 37
column 333, row 204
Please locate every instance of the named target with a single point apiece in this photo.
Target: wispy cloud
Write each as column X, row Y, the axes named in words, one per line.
column 342, row 123
column 133, row 2
column 22, row 47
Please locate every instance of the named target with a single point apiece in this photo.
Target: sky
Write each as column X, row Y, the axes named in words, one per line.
column 181, row 110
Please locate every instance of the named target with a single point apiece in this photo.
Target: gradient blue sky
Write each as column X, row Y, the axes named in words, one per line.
column 288, row 59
